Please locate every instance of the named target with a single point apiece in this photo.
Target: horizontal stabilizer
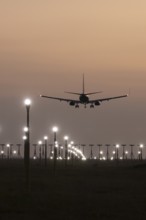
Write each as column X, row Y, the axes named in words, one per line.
column 91, row 93
column 74, row 93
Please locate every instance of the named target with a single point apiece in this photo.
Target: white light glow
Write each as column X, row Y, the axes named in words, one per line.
column 55, row 129
column 39, row 142
column 25, row 129
column 45, row 138
column 27, row 102
column 141, row 145
column 65, row 138
column 24, row 137
column 14, row 152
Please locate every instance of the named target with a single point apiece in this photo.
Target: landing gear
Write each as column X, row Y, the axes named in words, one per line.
column 76, row 106
column 91, row 106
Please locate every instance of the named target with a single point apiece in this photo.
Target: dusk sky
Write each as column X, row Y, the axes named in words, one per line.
column 46, row 46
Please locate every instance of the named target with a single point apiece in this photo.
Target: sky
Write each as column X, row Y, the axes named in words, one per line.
column 46, row 46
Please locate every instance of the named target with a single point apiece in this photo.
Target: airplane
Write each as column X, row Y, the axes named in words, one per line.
column 84, row 98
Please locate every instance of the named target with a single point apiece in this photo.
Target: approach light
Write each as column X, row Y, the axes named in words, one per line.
column 66, row 138
column 25, row 129
column 27, row 102
column 55, row 129
column 14, row 152
column 24, row 137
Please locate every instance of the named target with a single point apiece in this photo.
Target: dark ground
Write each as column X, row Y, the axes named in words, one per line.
column 87, row 190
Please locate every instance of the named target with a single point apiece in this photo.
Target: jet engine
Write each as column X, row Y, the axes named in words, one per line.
column 97, row 103
column 72, row 103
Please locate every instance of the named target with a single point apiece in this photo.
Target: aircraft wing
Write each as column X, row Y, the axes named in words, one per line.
column 107, row 99
column 61, row 99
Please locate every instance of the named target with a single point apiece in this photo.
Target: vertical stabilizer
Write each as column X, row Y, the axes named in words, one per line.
column 83, row 85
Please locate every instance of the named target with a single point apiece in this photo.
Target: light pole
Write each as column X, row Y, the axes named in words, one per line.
column 99, row 145
column 19, row 153
column 2, row 151
column 55, row 130
column 101, row 154
column 132, row 156
column 24, row 139
column 141, row 147
column 107, row 151
column 114, row 153
column 83, row 145
column 51, row 151
column 91, row 151
column 35, row 152
column 123, row 145
column 8, row 151
column 66, row 149
column 126, row 153
column 46, row 144
column 27, row 103
column 11, row 150
column 117, row 151
column 40, row 150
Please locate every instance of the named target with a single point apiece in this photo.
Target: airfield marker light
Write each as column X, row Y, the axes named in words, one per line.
column 40, row 142
column 27, row 102
column 24, row 137
column 55, row 129
column 66, row 138
column 15, row 152
column 45, row 138
column 25, row 129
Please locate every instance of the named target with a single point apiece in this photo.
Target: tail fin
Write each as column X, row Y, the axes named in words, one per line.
column 83, row 85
